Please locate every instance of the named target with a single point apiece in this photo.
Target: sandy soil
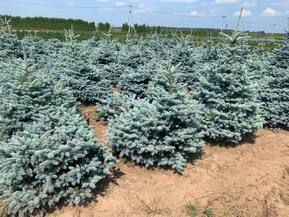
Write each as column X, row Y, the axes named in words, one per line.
column 98, row 127
column 251, row 180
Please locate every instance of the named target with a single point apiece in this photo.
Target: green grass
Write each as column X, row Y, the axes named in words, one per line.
column 208, row 212
column 121, row 36
column 192, row 210
column 153, row 209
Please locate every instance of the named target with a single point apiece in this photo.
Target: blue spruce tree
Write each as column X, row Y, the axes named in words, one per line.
column 113, row 106
column 54, row 160
column 274, row 93
column 275, row 99
column 188, row 59
column 74, row 69
column 280, row 56
column 36, row 51
column 136, row 80
column 163, row 129
column 25, row 92
column 231, row 107
column 10, row 46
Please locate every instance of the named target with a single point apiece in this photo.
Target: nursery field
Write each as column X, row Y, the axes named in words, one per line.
column 200, row 36
column 150, row 126
column 249, row 180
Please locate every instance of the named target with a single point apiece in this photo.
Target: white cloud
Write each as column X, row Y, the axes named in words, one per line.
column 180, row 1
column 270, row 12
column 204, row 3
column 246, row 13
column 195, row 14
column 249, row 3
column 280, row 3
column 143, row 8
column 226, row 1
column 71, row 3
column 120, row 3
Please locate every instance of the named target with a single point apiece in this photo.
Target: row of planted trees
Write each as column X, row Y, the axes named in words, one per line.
column 163, row 98
column 52, row 24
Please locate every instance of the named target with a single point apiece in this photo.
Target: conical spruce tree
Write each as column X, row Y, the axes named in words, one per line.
column 258, row 68
column 209, row 52
column 163, row 129
column 134, row 54
column 53, row 45
column 136, row 80
column 10, row 46
column 275, row 99
column 74, row 68
column 274, row 88
column 187, row 57
column 105, row 56
column 54, row 161
column 25, row 92
column 280, row 56
column 156, row 44
column 104, row 52
column 36, row 51
column 231, row 109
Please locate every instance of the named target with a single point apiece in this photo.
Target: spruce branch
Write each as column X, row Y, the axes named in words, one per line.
column 26, row 66
column 70, row 36
column 5, row 24
column 234, row 38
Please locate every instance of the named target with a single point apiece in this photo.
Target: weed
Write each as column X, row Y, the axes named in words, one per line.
column 192, row 210
column 154, row 210
column 208, row 212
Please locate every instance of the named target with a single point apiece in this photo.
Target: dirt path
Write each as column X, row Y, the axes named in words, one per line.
column 251, row 180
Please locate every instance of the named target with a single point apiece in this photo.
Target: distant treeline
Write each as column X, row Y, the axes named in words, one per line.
column 53, row 24
column 146, row 29
column 103, row 27
column 53, row 27
column 141, row 28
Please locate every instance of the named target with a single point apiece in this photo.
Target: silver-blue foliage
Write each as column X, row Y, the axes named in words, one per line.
column 229, row 97
column 54, row 160
column 26, row 91
column 162, row 130
column 275, row 99
column 10, row 46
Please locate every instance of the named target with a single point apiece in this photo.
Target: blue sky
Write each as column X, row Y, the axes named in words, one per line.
column 267, row 15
